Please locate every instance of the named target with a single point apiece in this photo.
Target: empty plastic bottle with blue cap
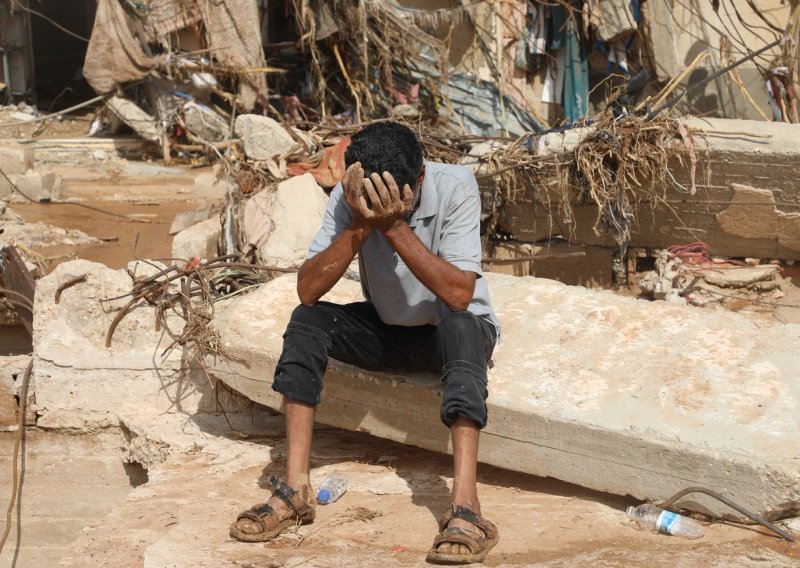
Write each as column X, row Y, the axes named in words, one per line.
column 650, row 517
column 331, row 488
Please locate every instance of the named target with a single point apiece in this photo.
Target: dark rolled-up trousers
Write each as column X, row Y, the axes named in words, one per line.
column 459, row 347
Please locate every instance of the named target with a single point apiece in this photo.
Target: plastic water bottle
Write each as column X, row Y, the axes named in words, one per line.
column 331, row 488
column 653, row 518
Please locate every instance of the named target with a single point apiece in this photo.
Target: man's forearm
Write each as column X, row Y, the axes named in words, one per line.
column 319, row 273
column 453, row 286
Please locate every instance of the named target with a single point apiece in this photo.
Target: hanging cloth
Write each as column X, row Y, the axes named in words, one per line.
column 576, row 75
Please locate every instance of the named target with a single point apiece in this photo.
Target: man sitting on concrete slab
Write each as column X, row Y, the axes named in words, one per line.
column 427, row 308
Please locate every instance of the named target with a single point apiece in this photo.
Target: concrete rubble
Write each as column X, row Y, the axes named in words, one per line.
column 150, row 424
column 31, row 185
column 280, row 223
column 263, row 138
column 70, row 355
column 15, row 231
column 16, row 159
column 201, row 240
column 712, row 282
column 727, row 211
column 137, row 119
column 610, row 393
column 641, row 418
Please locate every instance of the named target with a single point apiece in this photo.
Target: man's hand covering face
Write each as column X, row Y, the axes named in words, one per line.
column 376, row 201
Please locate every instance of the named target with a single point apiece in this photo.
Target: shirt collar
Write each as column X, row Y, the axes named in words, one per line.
column 429, row 199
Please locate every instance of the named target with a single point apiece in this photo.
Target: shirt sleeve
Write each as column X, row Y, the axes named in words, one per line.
column 337, row 217
column 461, row 230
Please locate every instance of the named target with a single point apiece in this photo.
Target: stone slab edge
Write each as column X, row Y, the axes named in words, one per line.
column 405, row 408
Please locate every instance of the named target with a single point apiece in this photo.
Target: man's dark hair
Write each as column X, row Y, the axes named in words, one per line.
column 387, row 147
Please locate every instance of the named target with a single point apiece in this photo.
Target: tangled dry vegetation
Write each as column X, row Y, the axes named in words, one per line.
column 190, row 292
column 622, row 164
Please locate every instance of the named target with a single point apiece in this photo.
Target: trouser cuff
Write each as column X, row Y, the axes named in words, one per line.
column 302, row 365
column 465, row 393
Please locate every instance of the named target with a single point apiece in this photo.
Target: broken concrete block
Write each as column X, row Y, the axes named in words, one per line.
column 35, row 185
column 751, row 214
column 208, row 186
column 81, row 383
column 12, row 372
column 262, row 137
column 201, row 240
column 281, row 223
column 204, row 123
column 732, row 219
column 16, row 159
column 138, row 120
column 186, row 219
column 9, row 216
column 605, row 391
column 739, row 276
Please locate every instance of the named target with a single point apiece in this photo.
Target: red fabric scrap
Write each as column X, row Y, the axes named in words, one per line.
column 330, row 168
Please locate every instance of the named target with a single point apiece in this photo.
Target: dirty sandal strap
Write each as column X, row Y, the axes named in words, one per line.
column 256, row 514
column 465, row 514
column 473, row 541
column 459, row 512
column 478, row 544
column 286, row 494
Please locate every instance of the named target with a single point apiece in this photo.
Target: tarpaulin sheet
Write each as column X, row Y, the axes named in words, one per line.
column 114, row 55
column 234, row 34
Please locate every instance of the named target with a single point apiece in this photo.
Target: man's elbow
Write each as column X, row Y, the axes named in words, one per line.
column 307, row 298
column 462, row 293
column 304, row 293
column 460, row 301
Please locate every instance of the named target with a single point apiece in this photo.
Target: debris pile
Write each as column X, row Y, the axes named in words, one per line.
column 689, row 275
column 14, row 231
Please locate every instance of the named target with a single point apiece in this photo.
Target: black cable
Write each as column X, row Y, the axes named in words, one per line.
column 760, row 520
column 49, row 201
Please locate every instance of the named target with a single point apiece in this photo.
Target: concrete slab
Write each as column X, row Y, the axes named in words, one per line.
column 79, row 382
column 33, row 185
column 15, row 158
column 607, row 392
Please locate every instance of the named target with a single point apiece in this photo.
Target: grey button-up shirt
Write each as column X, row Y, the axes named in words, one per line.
column 447, row 221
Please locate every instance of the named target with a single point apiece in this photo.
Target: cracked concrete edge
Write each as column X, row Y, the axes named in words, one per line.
column 655, row 470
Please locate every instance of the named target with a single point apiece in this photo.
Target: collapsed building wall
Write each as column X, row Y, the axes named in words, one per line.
column 745, row 202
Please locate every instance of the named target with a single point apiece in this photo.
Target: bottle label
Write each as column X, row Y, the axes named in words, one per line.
column 665, row 522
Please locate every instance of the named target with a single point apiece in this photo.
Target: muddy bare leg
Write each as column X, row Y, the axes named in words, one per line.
column 465, row 434
column 299, row 420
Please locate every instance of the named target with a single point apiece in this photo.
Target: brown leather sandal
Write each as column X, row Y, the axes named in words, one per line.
column 479, row 546
column 301, row 502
